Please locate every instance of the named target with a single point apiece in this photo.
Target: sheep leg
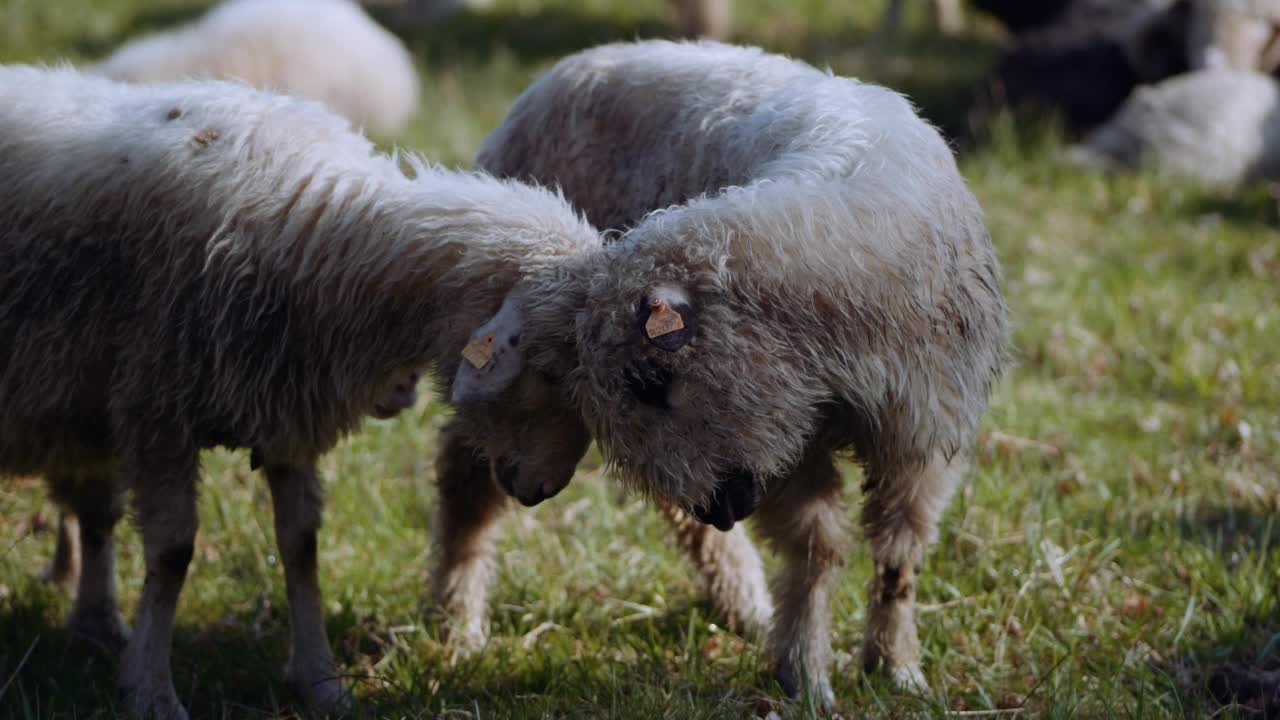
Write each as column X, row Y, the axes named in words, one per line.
column 805, row 519
column 297, row 502
column 900, row 518
column 947, row 16
column 165, row 505
column 729, row 566
column 64, row 567
column 891, row 21
column 469, row 505
column 90, row 508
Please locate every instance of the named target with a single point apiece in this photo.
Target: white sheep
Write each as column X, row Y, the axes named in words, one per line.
column 1239, row 34
column 1220, row 126
column 197, row 264
column 839, row 291
column 326, row 50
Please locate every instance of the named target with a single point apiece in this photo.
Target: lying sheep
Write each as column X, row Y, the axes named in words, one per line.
column 1219, row 126
column 326, row 50
column 201, row 264
column 838, row 292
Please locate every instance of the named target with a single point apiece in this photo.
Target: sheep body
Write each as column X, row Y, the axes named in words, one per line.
column 1220, row 126
column 838, row 290
column 326, row 50
column 204, row 264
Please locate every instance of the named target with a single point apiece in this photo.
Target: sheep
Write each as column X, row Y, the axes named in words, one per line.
column 201, row 264
column 530, row 439
column 1220, row 126
column 326, row 50
column 947, row 16
column 837, row 291
column 1237, row 34
column 1083, row 58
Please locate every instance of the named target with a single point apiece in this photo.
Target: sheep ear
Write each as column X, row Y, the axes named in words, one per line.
column 493, row 358
column 667, row 317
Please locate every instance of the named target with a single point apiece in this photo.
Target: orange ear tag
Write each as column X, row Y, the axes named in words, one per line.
column 479, row 351
column 662, row 320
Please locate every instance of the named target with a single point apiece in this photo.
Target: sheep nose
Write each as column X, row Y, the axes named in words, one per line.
column 505, row 473
column 735, row 499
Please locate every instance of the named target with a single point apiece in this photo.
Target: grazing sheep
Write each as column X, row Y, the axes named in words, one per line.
column 201, row 264
column 532, row 434
column 838, row 292
column 1219, row 126
column 326, row 50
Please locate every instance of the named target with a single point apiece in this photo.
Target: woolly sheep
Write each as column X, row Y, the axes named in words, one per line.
column 203, row 264
column 1220, row 126
column 839, row 291
column 326, row 50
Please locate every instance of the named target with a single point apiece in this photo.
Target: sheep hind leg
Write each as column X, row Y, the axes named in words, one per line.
column 731, row 571
column 165, row 503
column 469, row 505
column 91, row 507
column 805, row 520
column 297, row 503
column 900, row 518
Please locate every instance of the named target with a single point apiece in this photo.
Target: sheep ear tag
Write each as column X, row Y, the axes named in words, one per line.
column 479, row 351
column 663, row 320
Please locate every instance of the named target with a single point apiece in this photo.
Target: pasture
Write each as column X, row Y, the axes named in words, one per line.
column 1114, row 553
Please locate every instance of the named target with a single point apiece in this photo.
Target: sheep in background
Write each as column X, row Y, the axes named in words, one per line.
column 839, row 292
column 326, row 50
column 1084, row 57
column 201, row 264
column 947, row 16
column 1219, row 126
column 1236, row 34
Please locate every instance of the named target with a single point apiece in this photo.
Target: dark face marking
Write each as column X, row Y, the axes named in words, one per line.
column 505, row 472
column 735, row 499
column 651, row 385
column 671, row 341
column 403, row 394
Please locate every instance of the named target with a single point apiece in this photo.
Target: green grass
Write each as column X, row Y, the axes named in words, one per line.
column 1115, row 545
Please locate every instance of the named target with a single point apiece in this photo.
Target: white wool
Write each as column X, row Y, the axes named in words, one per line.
column 326, row 50
column 1220, row 126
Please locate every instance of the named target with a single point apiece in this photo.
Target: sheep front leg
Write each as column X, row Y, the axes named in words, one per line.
column 64, row 567
column 805, row 519
column 297, row 502
column 469, row 505
column 730, row 568
column 165, row 504
column 91, row 507
column 900, row 518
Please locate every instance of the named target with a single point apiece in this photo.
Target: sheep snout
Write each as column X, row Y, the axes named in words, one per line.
column 735, row 499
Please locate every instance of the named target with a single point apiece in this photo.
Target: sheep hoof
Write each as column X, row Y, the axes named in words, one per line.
column 327, row 697
column 153, row 703
column 909, row 678
column 103, row 629
column 790, row 680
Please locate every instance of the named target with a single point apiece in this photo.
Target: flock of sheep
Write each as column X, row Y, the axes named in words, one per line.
column 783, row 265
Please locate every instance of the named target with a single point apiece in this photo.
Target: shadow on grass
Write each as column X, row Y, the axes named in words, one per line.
column 1256, row 207
column 1239, row 676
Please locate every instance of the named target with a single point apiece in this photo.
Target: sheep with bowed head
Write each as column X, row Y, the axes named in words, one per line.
column 819, row 280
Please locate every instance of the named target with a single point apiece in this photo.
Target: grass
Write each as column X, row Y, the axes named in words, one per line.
column 1114, row 549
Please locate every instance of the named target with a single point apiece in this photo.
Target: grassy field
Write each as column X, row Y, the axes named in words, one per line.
column 1114, row 553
